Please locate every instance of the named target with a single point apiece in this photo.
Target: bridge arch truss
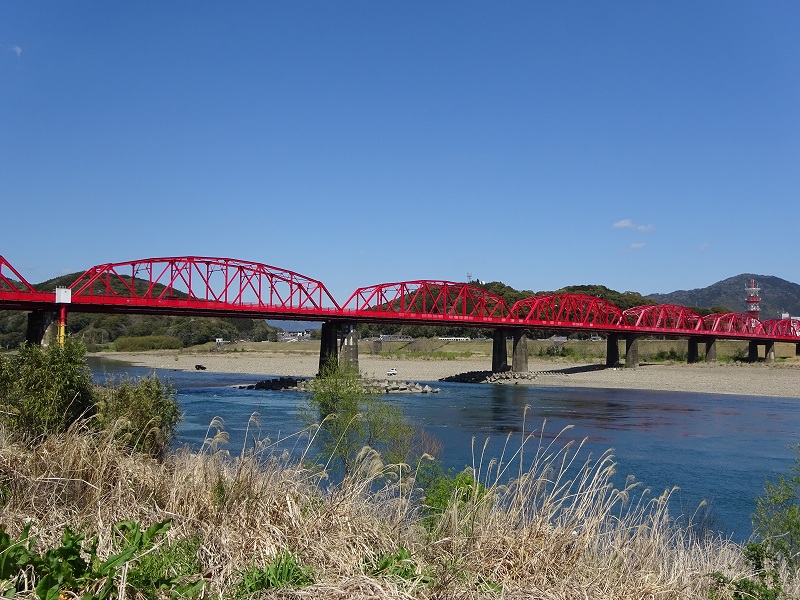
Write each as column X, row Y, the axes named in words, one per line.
column 202, row 284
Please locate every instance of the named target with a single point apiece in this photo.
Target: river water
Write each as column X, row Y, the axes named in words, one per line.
column 717, row 448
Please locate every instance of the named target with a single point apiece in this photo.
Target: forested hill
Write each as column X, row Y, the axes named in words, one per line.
column 623, row 300
column 777, row 295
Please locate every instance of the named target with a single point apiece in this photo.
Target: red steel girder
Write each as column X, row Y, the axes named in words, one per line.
column 18, row 284
column 199, row 282
column 15, row 288
column 782, row 327
column 663, row 316
column 567, row 309
column 428, row 298
column 738, row 323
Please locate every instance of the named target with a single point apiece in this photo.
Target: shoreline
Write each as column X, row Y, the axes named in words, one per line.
column 743, row 379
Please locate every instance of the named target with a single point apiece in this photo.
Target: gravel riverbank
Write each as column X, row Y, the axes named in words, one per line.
column 758, row 379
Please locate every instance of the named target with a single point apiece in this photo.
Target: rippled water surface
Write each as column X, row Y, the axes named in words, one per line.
column 718, row 448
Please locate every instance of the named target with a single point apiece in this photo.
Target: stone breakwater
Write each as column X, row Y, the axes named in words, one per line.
column 504, row 376
column 303, row 384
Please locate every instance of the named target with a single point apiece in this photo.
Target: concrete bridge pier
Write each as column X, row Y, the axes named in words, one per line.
column 631, row 351
column 348, row 349
column 338, row 343
column 39, row 321
column 519, row 355
column 328, row 344
column 797, row 349
column 612, row 350
column 711, row 350
column 499, row 351
column 752, row 351
column 693, row 351
column 769, row 352
column 693, row 354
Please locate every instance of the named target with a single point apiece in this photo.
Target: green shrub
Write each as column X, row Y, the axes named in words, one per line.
column 443, row 488
column 142, row 413
column 44, row 390
column 351, row 416
column 671, row 354
column 556, row 350
column 765, row 584
column 776, row 520
column 147, row 342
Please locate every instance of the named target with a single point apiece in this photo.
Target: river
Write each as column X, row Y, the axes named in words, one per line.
column 717, row 448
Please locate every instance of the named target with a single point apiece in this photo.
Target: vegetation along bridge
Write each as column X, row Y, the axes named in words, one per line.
column 225, row 287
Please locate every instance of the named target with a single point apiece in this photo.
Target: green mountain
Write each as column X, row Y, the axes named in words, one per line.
column 777, row 295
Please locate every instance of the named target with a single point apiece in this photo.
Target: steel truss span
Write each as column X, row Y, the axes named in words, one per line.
column 426, row 301
column 226, row 287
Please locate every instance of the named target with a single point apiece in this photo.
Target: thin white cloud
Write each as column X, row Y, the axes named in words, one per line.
column 16, row 50
column 628, row 224
column 637, row 246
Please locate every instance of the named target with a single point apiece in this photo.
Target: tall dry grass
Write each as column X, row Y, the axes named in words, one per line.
column 555, row 528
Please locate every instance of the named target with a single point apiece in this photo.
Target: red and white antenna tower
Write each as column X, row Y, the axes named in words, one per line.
column 753, row 308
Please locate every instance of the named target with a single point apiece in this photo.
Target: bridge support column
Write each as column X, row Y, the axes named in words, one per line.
column 348, row 351
column 328, row 344
column 631, row 351
column 519, row 356
column 752, row 351
column 499, row 351
column 711, row 350
column 612, row 350
column 38, row 322
column 769, row 352
column 693, row 352
column 797, row 349
column 62, row 326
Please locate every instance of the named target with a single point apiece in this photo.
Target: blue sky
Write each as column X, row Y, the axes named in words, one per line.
column 645, row 146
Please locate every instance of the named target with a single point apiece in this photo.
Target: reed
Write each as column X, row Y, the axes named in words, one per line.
column 541, row 521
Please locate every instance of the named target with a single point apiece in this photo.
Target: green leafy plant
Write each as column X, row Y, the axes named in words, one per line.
column 283, row 571
column 74, row 566
column 399, row 565
column 16, row 557
column 169, row 567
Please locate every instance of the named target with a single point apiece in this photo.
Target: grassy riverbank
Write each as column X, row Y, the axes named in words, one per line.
column 542, row 536
column 88, row 509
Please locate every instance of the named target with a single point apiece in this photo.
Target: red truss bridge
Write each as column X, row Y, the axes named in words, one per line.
column 225, row 287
